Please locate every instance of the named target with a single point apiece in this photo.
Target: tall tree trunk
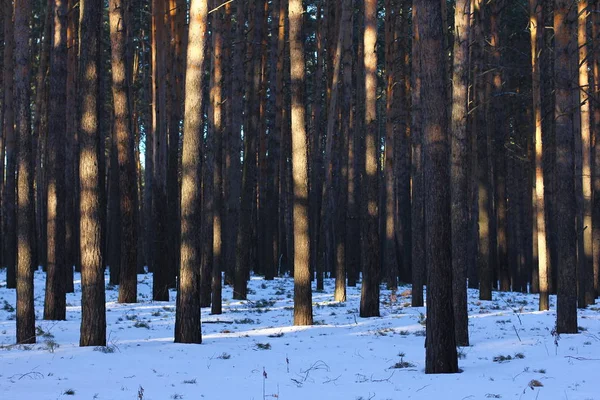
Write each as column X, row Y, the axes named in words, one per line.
column 596, row 145
column 565, row 19
column 55, row 299
column 125, row 150
column 536, row 25
column 302, row 290
column 93, row 309
column 25, row 199
column 418, row 192
column 215, row 120
column 187, row 317
column 585, row 274
column 390, row 259
column 113, row 255
column 460, row 143
column 9, row 231
column 440, row 342
column 71, row 189
column 369, row 300
column 160, row 259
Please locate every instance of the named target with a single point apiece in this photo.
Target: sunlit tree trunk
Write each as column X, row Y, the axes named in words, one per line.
column 418, row 192
column 536, row 24
column 93, row 309
column 585, row 274
column 216, row 122
column 369, row 301
column 565, row 19
column 596, row 143
column 302, row 290
column 25, row 223
column 55, row 299
column 187, row 317
column 460, row 143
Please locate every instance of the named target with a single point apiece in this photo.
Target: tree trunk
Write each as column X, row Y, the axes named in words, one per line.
column 535, row 27
column 565, row 18
column 215, row 120
column 125, row 150
column 9, row 231
column 55, row 299
column 187, row 318
column 585, row 274
column 25, row 223
column 440, row 342
column 93, row 309
column 369, row 300
column 71, row 189
column 160, row 259
column 418, row 192
column 596, row 145
column 390, row 259
column 302, row 290
column 460, row 142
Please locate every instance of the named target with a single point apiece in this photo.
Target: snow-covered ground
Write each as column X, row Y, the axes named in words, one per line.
column 252, row 351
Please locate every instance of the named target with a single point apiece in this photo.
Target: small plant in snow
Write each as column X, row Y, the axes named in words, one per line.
column 140, row 394
column 263, row 346
column 190, row 381
column 69, row 392
column 177, row 396
column 8, row 307
column 276, row 335
column 225, row 356
column 402, row 364
column 50, row 345
column 460, row 352
column 244, row 321
column 141, row 324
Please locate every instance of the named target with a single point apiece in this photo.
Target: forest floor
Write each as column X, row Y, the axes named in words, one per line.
column 252, row 351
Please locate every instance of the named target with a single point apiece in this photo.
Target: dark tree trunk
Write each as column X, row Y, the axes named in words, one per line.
column 25, row 223
column 9, row 217
column 440, row 342
column 460, row 142
column 418, row 190
column 565, row 48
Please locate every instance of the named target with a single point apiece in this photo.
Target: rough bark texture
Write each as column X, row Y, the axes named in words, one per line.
column 302, row 290
column 25, row 199
column 216, row 121
column 160, row 259
column 93, row 309
column 460, row 142
column 417, row 213
column 440, row 356
column 369, row 299
column 187, row 318
column 585, row 275
column 536, row 26
column 55, row 299
column 596, row 145
column 125, row 150
column 565, row 18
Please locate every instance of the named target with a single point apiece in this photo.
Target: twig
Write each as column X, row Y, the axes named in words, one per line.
column 418, row 390
column 583, row 358
column 334, row 380
column 515, row 328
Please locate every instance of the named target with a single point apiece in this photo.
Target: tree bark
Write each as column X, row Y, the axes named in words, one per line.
column 25, row 224
column 460, row 142
column 369, row 300
column 302, row 289
column 440, row 356
column 565, row 18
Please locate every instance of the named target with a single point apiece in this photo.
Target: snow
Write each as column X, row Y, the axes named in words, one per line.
column 342, row 356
